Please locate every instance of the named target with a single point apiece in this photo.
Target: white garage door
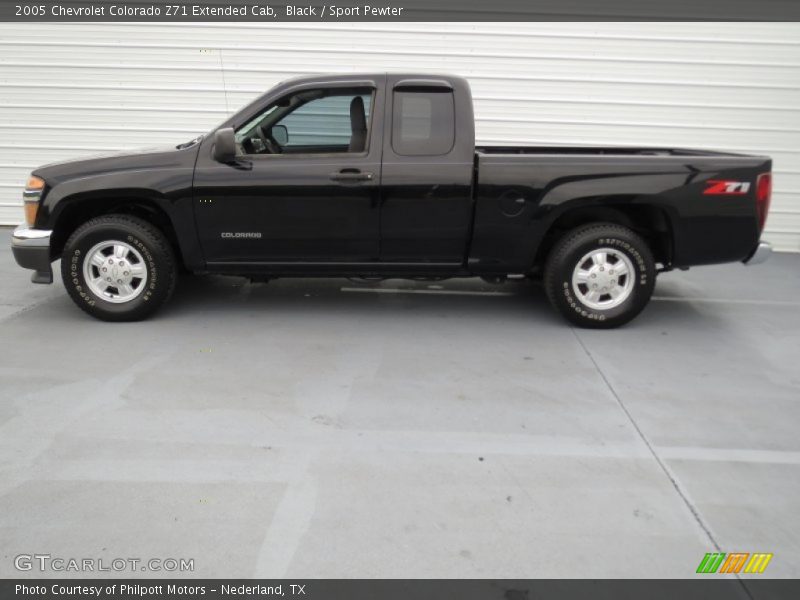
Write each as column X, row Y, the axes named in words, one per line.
column 76, row 89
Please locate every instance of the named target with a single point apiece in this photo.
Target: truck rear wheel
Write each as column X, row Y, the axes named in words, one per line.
column 600, row 275
column 118, row 268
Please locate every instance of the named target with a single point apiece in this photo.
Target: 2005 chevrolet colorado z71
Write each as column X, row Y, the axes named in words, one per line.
column 378, row 175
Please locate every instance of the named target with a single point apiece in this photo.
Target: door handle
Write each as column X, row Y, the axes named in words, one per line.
column 348, row 176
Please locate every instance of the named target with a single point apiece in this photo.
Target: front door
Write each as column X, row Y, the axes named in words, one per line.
column 305, row 188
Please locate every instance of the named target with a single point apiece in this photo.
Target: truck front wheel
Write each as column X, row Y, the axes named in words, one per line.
column 118, row 268
column 600, row 275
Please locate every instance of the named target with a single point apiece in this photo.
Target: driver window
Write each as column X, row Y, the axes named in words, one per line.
column 320, row 121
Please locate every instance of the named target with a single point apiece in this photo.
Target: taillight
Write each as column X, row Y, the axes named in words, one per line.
column 763, row 197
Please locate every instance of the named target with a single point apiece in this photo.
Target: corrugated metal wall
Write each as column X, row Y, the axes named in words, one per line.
column 75, row 89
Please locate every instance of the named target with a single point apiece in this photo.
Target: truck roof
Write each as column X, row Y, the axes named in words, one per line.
column 354, row 76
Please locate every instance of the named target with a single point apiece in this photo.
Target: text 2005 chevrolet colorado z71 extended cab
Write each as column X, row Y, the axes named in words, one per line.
column 378, row 175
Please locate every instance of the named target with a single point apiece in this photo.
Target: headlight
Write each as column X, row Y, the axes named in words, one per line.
column 31, row 197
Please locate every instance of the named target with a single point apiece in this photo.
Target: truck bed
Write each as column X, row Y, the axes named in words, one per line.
column 521, row 191
column 600, row 150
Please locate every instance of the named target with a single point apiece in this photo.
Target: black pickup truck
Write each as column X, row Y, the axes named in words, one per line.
column 378, row 175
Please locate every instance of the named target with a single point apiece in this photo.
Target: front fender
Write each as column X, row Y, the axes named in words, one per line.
column 167, row 192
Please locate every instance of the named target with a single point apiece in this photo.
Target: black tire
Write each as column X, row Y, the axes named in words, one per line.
column 569, row 251
column 158, row 261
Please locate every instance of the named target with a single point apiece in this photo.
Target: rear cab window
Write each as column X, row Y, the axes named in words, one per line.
column 423, row 122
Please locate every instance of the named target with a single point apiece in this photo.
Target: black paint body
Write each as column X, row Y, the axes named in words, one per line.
column 479, row 211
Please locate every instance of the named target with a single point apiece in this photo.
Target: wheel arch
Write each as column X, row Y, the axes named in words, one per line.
column 77, row 210
column 650, row 220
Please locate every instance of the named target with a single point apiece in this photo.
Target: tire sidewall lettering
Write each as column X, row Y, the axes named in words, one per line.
column 77, row 277
column 152, row 270
column 633, row 253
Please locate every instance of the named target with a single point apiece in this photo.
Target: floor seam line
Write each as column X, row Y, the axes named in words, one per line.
column 673, row 480
column 650, row 447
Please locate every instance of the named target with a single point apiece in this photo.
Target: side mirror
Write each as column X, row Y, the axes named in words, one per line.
column 280, row 134
column 225, row 146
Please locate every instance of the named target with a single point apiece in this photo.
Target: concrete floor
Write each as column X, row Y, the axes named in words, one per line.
column 321, row 428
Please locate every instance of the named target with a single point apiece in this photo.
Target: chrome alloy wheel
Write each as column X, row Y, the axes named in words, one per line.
column 603, row 278
column 115, row 271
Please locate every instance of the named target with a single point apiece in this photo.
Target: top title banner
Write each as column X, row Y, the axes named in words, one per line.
column 399, row 10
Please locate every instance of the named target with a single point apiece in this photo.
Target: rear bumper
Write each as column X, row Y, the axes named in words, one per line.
column 31, row 249
column 761, row 253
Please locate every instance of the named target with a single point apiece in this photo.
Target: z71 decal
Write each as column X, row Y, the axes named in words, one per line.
column 723, row 187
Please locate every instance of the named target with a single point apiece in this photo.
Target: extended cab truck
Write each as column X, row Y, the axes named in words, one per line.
column 378, row 175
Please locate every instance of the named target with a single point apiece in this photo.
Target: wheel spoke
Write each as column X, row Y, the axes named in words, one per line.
column 120, row 251
column 137, row 270
column 582, row 276
column 98, row 259
column 124, row 289
column 600, row 258
column 615, row 291
column 592, row 295
column 620, row 269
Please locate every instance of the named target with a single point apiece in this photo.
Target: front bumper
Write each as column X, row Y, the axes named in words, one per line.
column 31, row 248
column 761, row 253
